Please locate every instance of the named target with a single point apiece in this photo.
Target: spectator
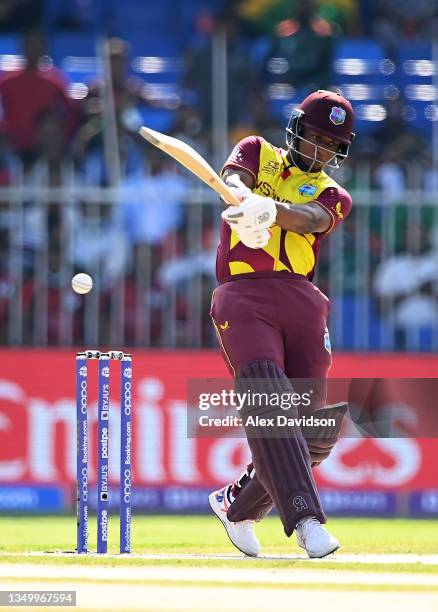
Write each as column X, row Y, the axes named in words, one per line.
column 430, row 173
column 58, row 305
column 344, row 13
column 411, row 20
column 241, row 76
column 189, row 127
column 130, row 93
column 407, row 287
column 96, row 235
column 305, row 45
column 50, row 145
column 395, row 133
column 153, row 200
column 263, row 16
column 191, row 275
column 29, row 93
column 265, row 124
column 390, row 176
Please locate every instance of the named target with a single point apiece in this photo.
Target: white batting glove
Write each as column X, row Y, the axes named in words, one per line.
column 240, row 190
column 255, row 213
column 255, row 239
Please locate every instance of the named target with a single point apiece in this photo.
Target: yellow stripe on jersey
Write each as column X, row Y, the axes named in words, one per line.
column 273, row 246
column 240, row 267
column 234, row 239
column 298, row 251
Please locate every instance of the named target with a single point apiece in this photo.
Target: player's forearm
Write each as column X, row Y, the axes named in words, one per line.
column 298, row 219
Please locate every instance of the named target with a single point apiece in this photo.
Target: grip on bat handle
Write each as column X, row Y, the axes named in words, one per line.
column 234, row 180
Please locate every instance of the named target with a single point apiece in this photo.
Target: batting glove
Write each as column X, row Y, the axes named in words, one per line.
column 241, row 191
column 238, row 188
column 255, row 239
column 255, row 213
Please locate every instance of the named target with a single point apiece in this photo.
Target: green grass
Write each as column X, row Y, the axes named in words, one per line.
column 205, row 535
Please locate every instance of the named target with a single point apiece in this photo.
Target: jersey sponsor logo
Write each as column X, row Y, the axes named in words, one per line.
column 224, row 326
column 267, row 190
column 299, row 503
column 339, row 212
column 307, row 190
column 271, row 167
column 337, row 115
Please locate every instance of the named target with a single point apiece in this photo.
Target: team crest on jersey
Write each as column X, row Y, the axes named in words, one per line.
column 337, row 115
column 307, row 190
column 271, row 167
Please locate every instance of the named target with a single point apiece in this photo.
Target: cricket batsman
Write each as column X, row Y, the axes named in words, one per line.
column 270, row 319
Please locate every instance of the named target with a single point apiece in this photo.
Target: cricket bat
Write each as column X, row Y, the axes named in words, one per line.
column 188, row 157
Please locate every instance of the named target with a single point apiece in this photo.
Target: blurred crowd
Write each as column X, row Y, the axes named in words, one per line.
column 49, row 134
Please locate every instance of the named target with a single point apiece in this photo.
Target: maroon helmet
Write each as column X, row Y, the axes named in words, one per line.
column 327, row 113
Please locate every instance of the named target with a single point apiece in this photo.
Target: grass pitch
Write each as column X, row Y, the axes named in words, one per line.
column 188, row 565
column 204, row 535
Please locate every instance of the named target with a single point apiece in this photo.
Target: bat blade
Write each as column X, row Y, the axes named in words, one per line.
column 190, row 159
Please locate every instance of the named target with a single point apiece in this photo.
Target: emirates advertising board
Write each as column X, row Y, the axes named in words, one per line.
column 173, row 471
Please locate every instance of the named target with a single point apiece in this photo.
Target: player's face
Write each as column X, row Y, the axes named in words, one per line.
column 316, row 149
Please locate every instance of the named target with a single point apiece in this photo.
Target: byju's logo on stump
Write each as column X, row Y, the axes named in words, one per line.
column 337, row 115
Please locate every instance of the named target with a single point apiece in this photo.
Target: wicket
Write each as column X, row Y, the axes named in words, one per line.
column 103, row 420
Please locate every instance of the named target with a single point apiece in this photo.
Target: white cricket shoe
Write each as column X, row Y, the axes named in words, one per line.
column 241, row 533
column 314, row 538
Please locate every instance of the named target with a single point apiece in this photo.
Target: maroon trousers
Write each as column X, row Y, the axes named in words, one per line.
column 280, row 318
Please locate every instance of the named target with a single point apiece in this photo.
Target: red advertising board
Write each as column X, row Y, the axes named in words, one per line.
column 37, row 424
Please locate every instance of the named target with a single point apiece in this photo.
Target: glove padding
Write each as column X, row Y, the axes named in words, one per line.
column 237, row 187
column 324, row 439
column 255, row 213
column 240, row 190
column 255, row 239
column 320, row 450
